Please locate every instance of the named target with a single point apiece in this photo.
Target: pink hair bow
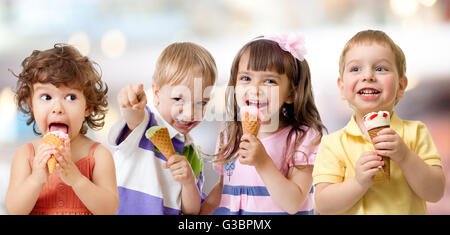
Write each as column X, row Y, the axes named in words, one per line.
column 292, row 43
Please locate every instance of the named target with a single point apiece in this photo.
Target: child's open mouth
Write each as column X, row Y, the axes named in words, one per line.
column 256, row 103
column 369, row 92
column 184, row 125
column 57, row 126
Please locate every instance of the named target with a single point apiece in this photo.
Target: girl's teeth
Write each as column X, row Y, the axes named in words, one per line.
column 256, row 104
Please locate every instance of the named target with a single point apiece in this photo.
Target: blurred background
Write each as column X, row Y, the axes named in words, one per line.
column 126, row 37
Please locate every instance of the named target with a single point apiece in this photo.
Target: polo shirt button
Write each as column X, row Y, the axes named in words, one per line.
column 61, row 186
column 61, row 203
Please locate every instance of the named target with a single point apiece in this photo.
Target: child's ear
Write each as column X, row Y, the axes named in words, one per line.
column 290, row 98
column 155, row 91
column 340, row 85
column 402, row 87
column 88, row 111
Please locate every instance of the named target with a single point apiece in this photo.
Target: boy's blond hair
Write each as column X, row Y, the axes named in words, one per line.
column 375, row 36
column 183, row 60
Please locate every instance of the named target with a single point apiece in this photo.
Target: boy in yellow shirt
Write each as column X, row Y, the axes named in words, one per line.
column 372, row 78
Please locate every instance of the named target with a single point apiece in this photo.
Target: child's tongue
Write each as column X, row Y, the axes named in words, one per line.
column 58, row 127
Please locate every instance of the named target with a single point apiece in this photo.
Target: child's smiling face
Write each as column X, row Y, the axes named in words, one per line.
column 58, row 108
column 182, row 105
column 370, row 80
column 265, row 91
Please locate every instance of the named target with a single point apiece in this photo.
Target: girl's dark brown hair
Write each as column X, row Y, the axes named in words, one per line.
column 267, row 55
column 63, row 65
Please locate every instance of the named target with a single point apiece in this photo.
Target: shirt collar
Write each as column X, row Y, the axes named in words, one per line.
column 353, row 129
column 172, row 131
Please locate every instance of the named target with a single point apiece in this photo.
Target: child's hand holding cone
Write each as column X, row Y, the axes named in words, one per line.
column 55, row 139
column 178, row 164
column 375, row 122
column 251, row 150
column 66, row 169
column 40, row 169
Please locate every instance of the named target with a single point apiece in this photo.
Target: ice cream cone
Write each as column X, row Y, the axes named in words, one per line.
column 55, row 139
column 160, row 137
column 386, row 160
column 374, row 123
column 250, row 124
column 51, row 164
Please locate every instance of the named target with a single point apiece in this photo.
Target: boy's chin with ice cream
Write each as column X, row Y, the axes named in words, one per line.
column 182, row 106
column 181, row 122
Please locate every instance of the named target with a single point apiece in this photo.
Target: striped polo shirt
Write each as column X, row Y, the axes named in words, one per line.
column 144, row 186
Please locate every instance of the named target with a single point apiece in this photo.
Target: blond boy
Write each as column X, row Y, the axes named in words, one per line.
column 148, row 183
column 372, row 78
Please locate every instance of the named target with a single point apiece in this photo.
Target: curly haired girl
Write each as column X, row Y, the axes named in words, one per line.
column 61, row 90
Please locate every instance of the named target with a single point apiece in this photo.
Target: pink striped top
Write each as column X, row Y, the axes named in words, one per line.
column 244, row 191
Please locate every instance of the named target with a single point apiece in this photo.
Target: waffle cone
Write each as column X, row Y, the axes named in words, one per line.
column 387, row 163
column 53, row 140
column 51, row 164
column 161, row 139
column 250, row 124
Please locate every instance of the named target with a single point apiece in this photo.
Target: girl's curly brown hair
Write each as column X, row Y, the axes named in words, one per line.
column 63, row 65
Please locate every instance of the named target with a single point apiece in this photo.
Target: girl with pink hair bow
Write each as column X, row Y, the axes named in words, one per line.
column 270, row 172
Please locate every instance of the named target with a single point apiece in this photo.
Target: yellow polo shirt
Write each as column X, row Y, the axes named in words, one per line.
column 339, row 151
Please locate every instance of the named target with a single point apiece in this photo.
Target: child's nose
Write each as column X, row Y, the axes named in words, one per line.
column 186, row 112
column 57, row 107
column 254, row 90
column 192, row 112
column 368, row 76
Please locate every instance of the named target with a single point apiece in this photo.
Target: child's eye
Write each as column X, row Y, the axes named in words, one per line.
column 380, row 69
column 203, row 103
column 177, row 99
column 355, row 69
column 270, row 81
column 45, row 97
column 71, row 97
column 245, row 79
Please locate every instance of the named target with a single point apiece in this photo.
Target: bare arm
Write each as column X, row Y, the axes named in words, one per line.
column 337, row 198
column 132, row 101
column 190, row 199
column 340, row 197
column 288, row 193
column 132, row 117
column 100, row 196
column 428, row 182
column 182, row 173
column 212, row 201
column 26, row 184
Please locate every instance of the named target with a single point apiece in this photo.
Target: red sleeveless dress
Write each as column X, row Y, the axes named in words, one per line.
column 56, row 197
